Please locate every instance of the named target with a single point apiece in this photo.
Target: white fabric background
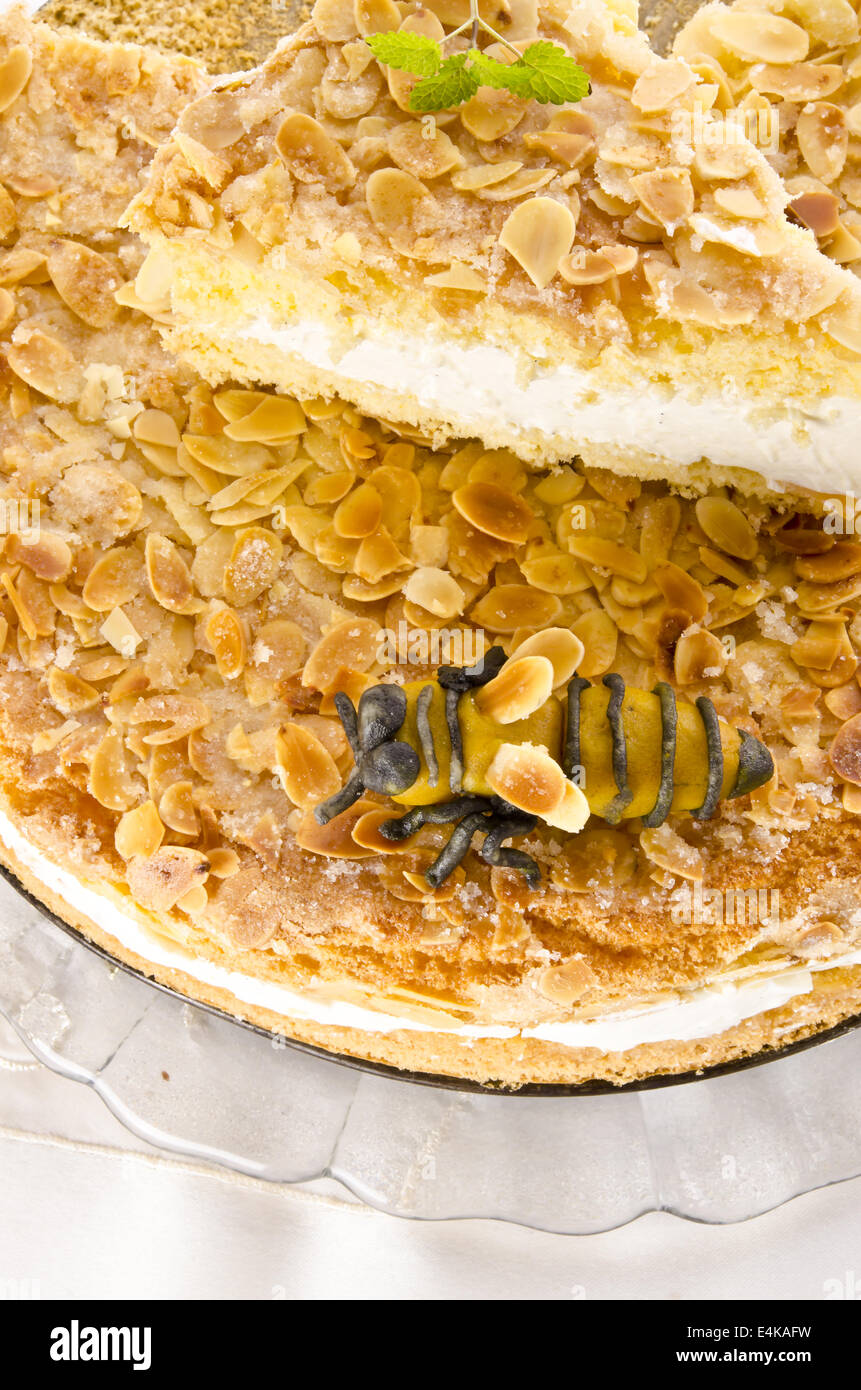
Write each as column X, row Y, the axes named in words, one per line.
column 88, row 1210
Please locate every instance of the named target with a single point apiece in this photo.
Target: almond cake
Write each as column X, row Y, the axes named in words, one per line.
column 618, row 277
column 273, row 664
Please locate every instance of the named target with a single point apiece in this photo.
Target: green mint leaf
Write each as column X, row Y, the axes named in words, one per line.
column 489, row 71
column 554, row 76
column 453, row 84
column 414, row 53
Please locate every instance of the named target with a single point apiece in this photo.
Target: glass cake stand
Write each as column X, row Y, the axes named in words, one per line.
column 720, row 1148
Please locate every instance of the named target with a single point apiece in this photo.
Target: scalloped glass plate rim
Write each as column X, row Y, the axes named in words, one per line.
column 440, row 1082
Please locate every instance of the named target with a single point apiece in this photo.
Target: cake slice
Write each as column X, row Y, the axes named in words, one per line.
column 615, row 279
column 81, row 121
column 791, row 71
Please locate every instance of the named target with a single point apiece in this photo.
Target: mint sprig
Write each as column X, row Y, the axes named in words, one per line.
column 544, row 72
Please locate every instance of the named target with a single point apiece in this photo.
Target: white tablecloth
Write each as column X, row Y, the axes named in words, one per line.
column 88, row 1210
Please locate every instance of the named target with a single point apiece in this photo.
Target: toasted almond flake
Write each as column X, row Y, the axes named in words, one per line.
column 599, row 636
column 119, row 631
column 476, row 176
column 426, row 155
column 85, row 280
column 699, row 656
column 494, row 511
column 47, row 365
column 490, row 115
column 669, row 851
column 401, row 208
column 69, row 694
column 555, row 573
column 567, row 983
column 660, row 85
column 169, row 578
column 559, row 645
column 798, row 82
column 360, row 512
column 507, row 607
column 610, row 555
column 666, row 194
column 760, row 37
column 366, row 833
column 740, row 202
column 436, row 591
column 823, row 139
column 527, row 777
column 817, row 210
column 311, row 155
column 139, row 832
column 308, row 771
column 177, row 809
column 15, row 72
column 351, row 644
column 273, row 420
column 112, row 780
column 225, row 633
column 159, row 881
column 460, row 278
column 727, row 527
column 47, row 555
column 538, row 234
column 253, row 566
column 522, row 686
column 845, row 751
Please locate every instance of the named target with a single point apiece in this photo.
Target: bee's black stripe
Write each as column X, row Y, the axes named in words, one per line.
column 455, row 766
column 624, row 796
column 571, row 747
column 425, row 733
column 669, row 730
column 715, row 751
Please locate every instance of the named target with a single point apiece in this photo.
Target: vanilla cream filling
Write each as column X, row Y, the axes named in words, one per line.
column 485, row 385
column 700, row 1013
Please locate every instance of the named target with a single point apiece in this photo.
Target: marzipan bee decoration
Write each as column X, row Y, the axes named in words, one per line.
column 492, row 749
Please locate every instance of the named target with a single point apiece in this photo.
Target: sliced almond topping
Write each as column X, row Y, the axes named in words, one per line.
column 225, row 634
column 177, row 809
column 821, row 644
column 308, row 771
column 608, row 555
column 584, row 267
column 600, row 636
column 458, row 277
column 351, row 644
column 15, row 72
column 360, row 512
column 274, row 420
column 522, row 687
column 561, row 648
column 477, row 176
column 494, row 511
column 47, row 365
column 169, row 578
column 740, row 202
column 436, row 591
column 699, row 656
column 538, row 234
column 666, row 194
column 565, row 984
column 823, row 139
column 375, row 16
column 86, row 281
column 526, row 776
column 845, row 751
column 507, row 607
column 48, row 555
column 112, row 779
column 139, row 832
column 799, row 82
column 727, row 527
column 366, row 833
column 401, row 208
column 119, row 631
column 425, row 156
column 334, row 20
column 681, row 590
column 161, row 879
column 490, row 115
column 660, row 84
column 253, row 566
column 311, row 155
column 69, row 694
column 759, row 37
column 114, row 579
column 817, row 210
column 555, row 573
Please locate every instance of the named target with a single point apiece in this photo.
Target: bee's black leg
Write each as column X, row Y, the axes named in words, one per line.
column 350, row 721
column 341, row 801
column 456, row 849
column 504, row 828
column 402, row 827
